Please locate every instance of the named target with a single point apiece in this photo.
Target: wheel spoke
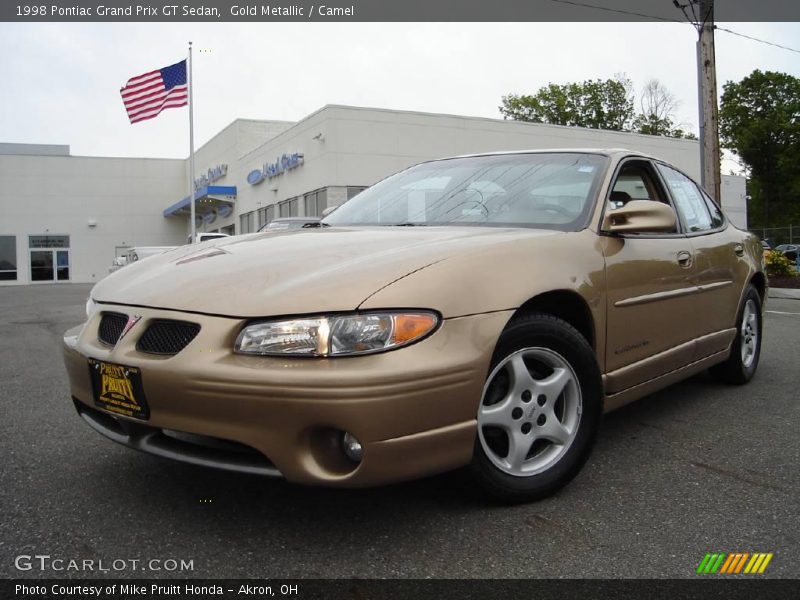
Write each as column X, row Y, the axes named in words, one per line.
column 518, row 446
column 496, row 415
column 553, row 385
column 520, row 375
column 553, row 431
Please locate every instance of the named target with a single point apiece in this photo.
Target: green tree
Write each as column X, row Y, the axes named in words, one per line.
column 595, row 104
column 598, row 104
column 759, row 120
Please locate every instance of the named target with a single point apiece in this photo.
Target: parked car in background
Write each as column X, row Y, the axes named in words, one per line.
column 282, row 223
column 204, row 237
column 141, row 252
column 479, row 311
column 118, row 263
column 788, row 250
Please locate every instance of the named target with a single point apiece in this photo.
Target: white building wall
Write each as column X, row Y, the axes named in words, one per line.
column 236, row 140
column 734, row 199
column 59, row 195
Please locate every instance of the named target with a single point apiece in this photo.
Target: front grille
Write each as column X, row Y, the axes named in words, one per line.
column 111, row 326
column 167, row 337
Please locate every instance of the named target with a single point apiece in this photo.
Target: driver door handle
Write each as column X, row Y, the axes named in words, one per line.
column 685, row 259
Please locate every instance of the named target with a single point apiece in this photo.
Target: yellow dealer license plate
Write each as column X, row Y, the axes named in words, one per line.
column 118, row 389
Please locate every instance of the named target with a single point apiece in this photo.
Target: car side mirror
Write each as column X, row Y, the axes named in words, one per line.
column 641, row 216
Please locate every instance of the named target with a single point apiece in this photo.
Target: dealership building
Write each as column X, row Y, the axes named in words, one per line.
column 65, row 218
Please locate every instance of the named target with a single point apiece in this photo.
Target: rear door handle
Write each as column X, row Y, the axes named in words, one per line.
column 685, row 259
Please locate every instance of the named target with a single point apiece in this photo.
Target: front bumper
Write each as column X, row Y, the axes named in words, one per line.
column 413, row 409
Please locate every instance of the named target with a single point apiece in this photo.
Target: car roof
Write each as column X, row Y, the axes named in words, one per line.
column 601, row 151
column 286, row 219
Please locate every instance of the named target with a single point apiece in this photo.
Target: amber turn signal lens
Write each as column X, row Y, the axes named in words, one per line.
column 412, row 326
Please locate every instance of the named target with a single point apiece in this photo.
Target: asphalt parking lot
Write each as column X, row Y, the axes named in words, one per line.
column 696, row 468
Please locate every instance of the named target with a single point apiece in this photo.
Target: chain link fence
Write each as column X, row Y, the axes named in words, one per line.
column 779, row 235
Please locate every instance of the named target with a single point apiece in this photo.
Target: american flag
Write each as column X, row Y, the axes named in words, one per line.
column 145, row 96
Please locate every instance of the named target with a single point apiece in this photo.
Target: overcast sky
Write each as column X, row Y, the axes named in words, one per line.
column 60, row 82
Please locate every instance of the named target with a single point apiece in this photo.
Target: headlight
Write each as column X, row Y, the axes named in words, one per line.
column 337, row 335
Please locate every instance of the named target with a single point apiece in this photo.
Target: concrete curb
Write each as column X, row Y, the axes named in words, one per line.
column 784, row 293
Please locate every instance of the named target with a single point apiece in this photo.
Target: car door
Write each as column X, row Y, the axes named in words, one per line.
column 718, row 263
column 651, row 312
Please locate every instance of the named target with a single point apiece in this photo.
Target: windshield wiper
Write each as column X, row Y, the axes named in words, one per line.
column 408, row 224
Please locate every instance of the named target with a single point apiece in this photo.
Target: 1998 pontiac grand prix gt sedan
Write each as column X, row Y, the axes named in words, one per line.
column 481, row 310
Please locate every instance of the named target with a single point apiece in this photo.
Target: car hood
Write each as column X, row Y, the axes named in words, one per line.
column 292, row 272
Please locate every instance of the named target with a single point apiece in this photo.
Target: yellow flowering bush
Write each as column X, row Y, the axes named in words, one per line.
column 777, row 264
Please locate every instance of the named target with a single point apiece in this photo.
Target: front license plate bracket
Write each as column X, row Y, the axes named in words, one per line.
column 118, row 389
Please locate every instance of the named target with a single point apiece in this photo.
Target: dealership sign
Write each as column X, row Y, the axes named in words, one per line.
column 287, row 162
column 210, row 176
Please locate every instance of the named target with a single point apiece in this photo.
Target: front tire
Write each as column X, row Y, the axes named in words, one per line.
column 540, row 410
column 742, row 363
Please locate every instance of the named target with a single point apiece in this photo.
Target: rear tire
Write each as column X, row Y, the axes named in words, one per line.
column 540, row 410
column 742, row 363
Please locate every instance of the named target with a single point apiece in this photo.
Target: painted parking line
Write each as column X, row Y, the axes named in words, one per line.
column 780, row 312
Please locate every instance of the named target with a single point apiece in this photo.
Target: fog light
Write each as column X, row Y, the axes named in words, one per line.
column 351, row 447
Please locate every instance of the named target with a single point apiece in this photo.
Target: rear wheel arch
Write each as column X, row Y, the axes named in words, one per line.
column 759, row 281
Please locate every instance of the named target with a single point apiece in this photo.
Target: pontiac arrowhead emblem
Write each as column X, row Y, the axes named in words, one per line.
column 132, row 320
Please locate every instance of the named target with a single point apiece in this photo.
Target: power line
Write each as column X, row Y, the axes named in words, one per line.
column 689, row 21
column 755, row 39
column 617, row 10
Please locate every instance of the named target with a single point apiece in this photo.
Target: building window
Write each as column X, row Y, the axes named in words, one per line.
column 315, row 202
column 288, row 208
column 247, row 222
column 265, row 215
column 8, row 258
column 49, row 257
column 354, row 191
column 310, row 204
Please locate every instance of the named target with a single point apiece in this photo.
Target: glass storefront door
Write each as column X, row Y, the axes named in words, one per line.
column 62, row 265
column 49, row 257
column 42, row 265
column 49, row 265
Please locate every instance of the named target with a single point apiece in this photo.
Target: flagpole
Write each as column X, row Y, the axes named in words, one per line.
column 191, row 146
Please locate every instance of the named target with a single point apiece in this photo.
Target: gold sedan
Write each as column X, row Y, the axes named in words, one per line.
column 479, row 311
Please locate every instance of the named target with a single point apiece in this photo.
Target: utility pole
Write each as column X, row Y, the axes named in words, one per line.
column 707, row 93
column 700, row 13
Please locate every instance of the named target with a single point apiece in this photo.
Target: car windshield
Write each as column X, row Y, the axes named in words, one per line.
column 542, row 190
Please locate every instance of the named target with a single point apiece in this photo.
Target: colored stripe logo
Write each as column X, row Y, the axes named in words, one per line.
column 734, row 563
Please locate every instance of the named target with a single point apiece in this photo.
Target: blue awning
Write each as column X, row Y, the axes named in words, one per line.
column 211, row 196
